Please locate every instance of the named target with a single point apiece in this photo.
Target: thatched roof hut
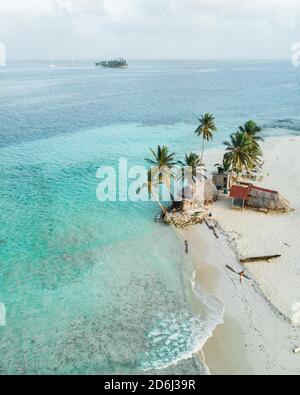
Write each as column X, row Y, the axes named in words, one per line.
column 258, row 198
column 187, row 193
column 210, row 192
column 266, row 199
column 190, row 199
column 222, row 180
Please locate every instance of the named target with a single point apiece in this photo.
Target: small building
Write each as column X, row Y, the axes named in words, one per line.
column 266, row 199
column 258, row 198
column 188, row 202
column 222, row 181
column 188, row 199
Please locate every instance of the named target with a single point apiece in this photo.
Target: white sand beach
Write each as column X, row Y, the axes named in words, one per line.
column 262, row 315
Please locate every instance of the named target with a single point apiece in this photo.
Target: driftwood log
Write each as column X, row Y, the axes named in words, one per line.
column 213, row 229
column 260, row 258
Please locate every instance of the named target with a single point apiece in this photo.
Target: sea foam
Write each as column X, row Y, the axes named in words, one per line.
column 178, row 337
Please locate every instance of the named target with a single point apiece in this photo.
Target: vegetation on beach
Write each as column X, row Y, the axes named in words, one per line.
column 238, row 152
column 162, row 166
column 225, row 166
column 189, row 167
column 152, row 186
column 206, row 129
column 113, row 64
column 160, row 173
column 243, row 152
column 252, row 131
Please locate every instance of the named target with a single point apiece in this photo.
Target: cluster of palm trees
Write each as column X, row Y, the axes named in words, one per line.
column 243, row 152
column 165, row 168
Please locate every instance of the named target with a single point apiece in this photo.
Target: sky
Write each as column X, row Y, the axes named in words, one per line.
column 149, row 29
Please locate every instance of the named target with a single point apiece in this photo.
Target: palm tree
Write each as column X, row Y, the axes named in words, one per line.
column 252, row 130
column 238, row 153
column 152, row 186
column 162, row 166
column 225, row 167
column 206, row 129
column 256, row 155
column 189, row 167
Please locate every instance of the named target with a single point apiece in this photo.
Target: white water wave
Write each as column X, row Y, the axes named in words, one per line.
column 177, row 337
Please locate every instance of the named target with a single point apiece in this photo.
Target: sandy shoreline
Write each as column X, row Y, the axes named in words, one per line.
column 262, row 316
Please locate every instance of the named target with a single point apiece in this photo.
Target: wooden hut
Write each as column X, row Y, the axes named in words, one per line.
column 222, row 181
column 189, row 199
column 266, row 199
column 258, row 198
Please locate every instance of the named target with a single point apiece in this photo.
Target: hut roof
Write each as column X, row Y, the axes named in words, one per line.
column 263, row 189
column 243, row 191
column 261, row 198
column 188, row 193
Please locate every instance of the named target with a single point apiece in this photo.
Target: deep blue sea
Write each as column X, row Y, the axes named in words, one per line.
column 93, row 287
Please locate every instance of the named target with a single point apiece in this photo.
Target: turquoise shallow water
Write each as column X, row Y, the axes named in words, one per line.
column 86, row 284
column 94, row 287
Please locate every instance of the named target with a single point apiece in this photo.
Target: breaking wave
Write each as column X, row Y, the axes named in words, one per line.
column 178, row 337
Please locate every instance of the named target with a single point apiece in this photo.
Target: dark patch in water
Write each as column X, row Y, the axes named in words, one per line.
column 288, row 124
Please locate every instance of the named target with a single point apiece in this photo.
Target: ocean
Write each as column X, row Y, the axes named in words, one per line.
column 97, row 288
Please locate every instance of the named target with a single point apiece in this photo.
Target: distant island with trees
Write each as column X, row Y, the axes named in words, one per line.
column 113, row 64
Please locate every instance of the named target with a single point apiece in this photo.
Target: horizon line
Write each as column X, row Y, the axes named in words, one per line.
column 153, row 59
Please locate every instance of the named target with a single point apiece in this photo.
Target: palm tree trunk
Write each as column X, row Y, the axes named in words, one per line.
column 202, row 155
column 159, row 203
column 162, row 207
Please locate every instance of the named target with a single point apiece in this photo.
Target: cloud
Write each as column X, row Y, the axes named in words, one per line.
column 124, row 11
column 158, row 24
column 28, row 8
column 127, row 10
